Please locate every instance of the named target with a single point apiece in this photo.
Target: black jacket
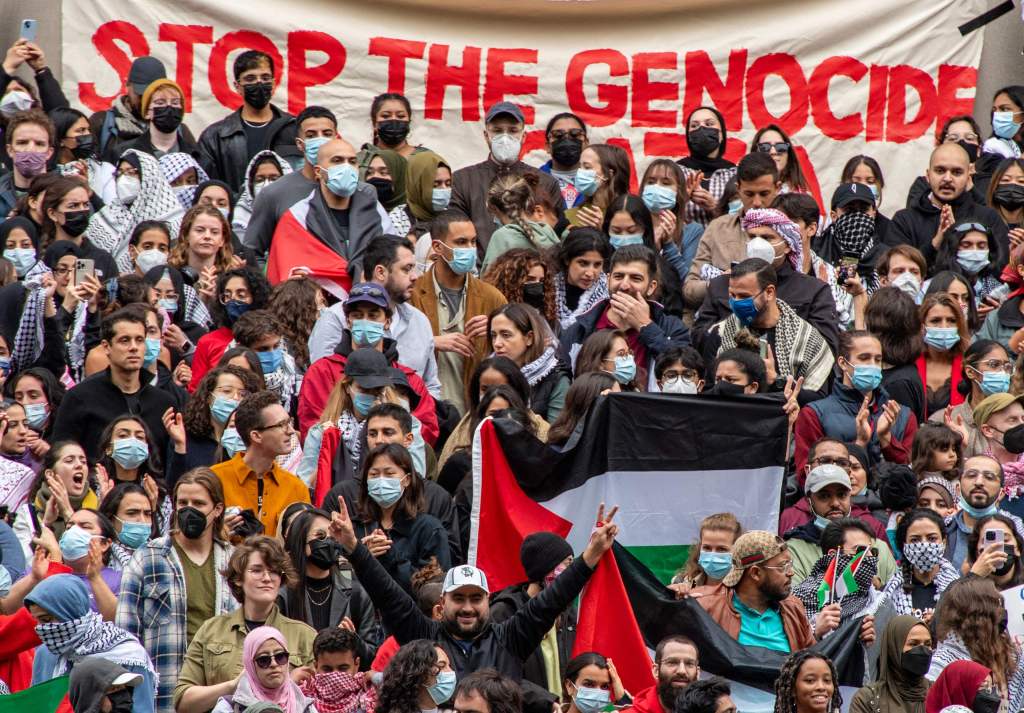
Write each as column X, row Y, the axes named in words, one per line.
column 224, row 152
column 809, row 297
column 502, row 646
column 916, row 226
column 186, row 144
column 413, row 543
column 512, row 599
column 7, row 195
column 903, row 384
column 96, row 401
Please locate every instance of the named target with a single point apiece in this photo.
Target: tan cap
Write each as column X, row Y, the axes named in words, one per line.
column 754, row 547
column 993, row 404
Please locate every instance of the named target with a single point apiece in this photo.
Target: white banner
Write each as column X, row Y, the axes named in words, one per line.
column 843, row 78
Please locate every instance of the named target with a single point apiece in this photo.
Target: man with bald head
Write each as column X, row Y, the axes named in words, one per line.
column 341, row 211
column 947, row 203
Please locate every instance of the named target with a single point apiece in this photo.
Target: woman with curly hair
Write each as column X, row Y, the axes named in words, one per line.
column 972, row 627
column 418, row 678
column 296, row 304
column 807, row 683
column 522, row 276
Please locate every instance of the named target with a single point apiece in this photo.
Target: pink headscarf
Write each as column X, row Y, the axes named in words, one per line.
column 283, row 696
column 781, row 224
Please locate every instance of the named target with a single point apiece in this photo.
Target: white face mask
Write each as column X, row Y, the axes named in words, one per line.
column 505, row 148
column 15, row 101
column 148, row 259
column 679, row 385
column 761, row 248
column 128, row 188
column 908, row 283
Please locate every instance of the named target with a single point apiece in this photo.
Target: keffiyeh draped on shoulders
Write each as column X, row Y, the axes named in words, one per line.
column 243, row 209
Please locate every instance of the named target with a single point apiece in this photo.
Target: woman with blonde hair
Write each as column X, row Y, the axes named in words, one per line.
column 711, row 556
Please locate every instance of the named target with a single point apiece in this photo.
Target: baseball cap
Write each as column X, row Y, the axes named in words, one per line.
column 127, row 679
column 750, row 548
column 369, row 293
column 368, row 368
column 464, row 576
column 993, row 404
column 847, row 193
column 145, row 71
column 827, row 475
column 500, row 108
column 400, row 379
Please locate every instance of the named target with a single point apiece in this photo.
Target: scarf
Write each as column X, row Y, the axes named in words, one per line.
column 175, row 164
column 112, row 227
column 191, row 309
column 350, row 431
column 15, row 486
column 28, row 341
column 244, row 205
column 89, row 635
column 339, row 692
column 793, row 338
column 541, row 366
column 597, row 292
column 283, row 696
column 785, row 228
column 706, row 164
column 128, row 125
column 397, row 168
column 898, row 691
column 854, row 232
column 419, row 185
column 850, row 605
column 956, row 685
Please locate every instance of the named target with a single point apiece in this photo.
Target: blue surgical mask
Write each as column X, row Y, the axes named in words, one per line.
column 621, row 241
column 715, row 564
column 586, row 181
column 874, row 190
column 36, row 415
column 74, row 543
column 385, row 491
column 745, row 309
column 235, row 309
column 977, row 512
column 591, row 700
column 271, row 361
column 443, row 688
column 366, row 332
column 625, row 369
column 995, row 382
column 363, row 402
column 129, row 452
column 866, row 377
column 170, row 305
column 311, row 146
column 152, row 351
column 735, row 207
column 134, row 534
column 941, row 338
column 1003, row 124
column 821, row 522
column 659, row 197
column 440, row 198
column 463, row 260
column 5, row 366
column 342, row 180
column 23, row 259
column 972, row 261
column 231, row 442
column 222, row 408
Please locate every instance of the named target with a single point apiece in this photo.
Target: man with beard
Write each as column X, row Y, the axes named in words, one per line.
column 676, row 666
column 754, row 604
column 981, row 490
column 466, row 632
column 829, row 497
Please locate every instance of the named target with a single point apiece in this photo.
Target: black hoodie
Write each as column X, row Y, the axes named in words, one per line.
column 916, row 225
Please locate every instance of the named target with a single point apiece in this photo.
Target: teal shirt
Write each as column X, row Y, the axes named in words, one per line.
column 764, row 630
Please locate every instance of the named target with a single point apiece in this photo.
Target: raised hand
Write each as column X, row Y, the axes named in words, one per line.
column 603, row 536
column 341, row 527
column 104, row 480
column 863, row 423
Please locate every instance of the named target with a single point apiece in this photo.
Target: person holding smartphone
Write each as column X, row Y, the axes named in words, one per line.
column 994, row 551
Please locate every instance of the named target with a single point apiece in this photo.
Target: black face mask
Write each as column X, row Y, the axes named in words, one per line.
column 986, row 702
column 726, row 388
column 916, row 661
column 83, row 147
column 533, row 295
column 1010, row 195
column 323, row 553
column 258, row 95
column 191, row 522
column 703, row 141
column 76, row 221
column 567, row 151
column 393, row 131
column 168, row 118
column 971, row 149
column 1004, row 569
column 120, row 701
column 385, row 188
column 1013, row 439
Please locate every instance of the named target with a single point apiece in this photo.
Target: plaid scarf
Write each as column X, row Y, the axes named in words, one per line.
column 597, row 292
column 339, row 692
column 850, row 605
column 87, row 635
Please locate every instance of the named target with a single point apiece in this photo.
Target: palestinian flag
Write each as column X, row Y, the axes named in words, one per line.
column 834, row 588
column 45, row 697
column 293, row 245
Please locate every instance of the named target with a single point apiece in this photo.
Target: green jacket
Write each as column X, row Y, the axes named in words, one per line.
column 511, row 236
column 805, row 554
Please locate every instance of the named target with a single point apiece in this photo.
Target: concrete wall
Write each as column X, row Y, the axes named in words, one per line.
column 47, row 12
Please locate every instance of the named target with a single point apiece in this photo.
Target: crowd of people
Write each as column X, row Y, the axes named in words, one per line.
column 220, row 493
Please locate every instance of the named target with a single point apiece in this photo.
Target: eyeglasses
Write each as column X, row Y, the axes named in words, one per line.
column 968, row 227
column 256, row 79
column 262, row 572
column 265, row 660
column 560, row 134
column 618, row 356
column 983, row 474
column 997, row 365
column 286, row 424
column 843, row 463
column 779, row 146
column 62, row 270
column 788, row 567
column 688, row 374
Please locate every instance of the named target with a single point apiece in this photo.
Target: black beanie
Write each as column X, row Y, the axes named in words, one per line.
column 541, row 552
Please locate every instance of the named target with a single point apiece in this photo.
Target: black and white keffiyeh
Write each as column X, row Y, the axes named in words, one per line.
column 28, row 341
column 597, row 292
column 854, row 232
column 89, row 635
column 924, row 555
column 851, row 604
column 175, row 164
column 541, row 366
column 243, row 208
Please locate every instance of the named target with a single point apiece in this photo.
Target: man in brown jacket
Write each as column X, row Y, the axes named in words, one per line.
column 754, row 604
column 456, row 303
column 724, row 242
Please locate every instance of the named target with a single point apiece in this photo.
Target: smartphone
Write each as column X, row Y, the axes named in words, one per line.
column 29, row 29
column 84, row 267
column 37, row 529
column 993, row 537
column 848, row 266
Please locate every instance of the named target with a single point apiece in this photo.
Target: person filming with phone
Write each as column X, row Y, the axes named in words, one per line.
column 981, row 492
column 994, row 550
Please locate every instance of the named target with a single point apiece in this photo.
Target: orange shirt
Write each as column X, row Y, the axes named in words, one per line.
column 280, row 489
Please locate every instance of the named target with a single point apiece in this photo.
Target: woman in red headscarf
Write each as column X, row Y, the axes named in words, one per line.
column 963, row 683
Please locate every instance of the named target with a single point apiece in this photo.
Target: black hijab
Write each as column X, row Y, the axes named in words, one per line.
column 227, row 189
column 59, row 249
column 19, row 221
column 155, row 274
column 707, row 165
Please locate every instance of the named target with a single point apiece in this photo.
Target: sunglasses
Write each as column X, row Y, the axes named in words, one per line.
column 780, row 147
column 968, row 227
column 265, row 660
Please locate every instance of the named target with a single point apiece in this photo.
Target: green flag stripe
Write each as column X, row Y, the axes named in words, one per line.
column 664, row 561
